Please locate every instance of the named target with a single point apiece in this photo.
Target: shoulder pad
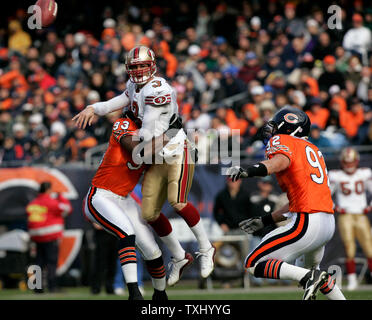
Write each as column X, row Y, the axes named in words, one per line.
column 367, row 171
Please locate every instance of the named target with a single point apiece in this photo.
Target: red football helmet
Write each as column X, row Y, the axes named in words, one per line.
column 349, row 160
column 140, row 64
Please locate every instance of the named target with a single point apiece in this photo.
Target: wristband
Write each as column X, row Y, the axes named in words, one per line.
column 267, row 220
column 257, row 170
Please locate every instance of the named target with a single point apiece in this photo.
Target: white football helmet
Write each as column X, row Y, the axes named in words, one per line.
column 140, row 64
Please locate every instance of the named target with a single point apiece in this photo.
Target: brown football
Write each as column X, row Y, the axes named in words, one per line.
column 49, row 10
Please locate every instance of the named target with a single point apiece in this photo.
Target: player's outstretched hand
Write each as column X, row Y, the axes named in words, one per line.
column 235, row 173
column 84, row 117
column 251, row 225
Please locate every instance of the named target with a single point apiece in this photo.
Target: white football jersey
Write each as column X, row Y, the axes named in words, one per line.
column 351, row 189
column 154, row 104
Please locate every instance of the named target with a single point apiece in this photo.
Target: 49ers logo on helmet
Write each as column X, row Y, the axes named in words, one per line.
column 291, row 118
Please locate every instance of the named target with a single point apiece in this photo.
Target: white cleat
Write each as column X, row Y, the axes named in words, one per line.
column 352, row 282
column 177, row 268
column 206, row 261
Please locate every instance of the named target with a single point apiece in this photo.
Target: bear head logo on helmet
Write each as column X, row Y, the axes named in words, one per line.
column 288, row 120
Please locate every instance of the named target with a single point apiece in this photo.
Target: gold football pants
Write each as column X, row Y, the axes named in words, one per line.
column 170, row 181
column 354, row 227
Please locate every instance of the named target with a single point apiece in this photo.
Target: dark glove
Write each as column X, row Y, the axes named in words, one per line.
column 130, row 115
column 175, row 124
column 252, row 225
column 256, row 223
column 236, row 173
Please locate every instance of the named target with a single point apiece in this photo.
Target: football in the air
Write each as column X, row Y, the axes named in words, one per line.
column 49, row 10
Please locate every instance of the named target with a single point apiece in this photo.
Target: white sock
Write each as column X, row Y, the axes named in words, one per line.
column 291, row 272
column 130, row 272
column 174, row 246
column 159, row 284
column 331, row 290
column 335, row 294
column 201, row 236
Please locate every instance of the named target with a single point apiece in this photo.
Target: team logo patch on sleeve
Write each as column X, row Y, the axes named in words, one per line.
column 278, row 148
column 158, row 100
column 117, row 134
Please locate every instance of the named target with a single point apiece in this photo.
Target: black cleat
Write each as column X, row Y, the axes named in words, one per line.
column 159, row 295
column 137, row 296
column 134, row 292
column 314, row 280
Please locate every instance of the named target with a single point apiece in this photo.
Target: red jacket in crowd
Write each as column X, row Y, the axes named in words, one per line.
column 45, row 217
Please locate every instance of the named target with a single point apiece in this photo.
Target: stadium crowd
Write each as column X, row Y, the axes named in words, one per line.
column 272, row 52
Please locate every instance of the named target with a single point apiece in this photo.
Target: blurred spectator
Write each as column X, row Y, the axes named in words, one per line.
column 19, row 40
column 105, row 259
column 317, row 114
column 71, row 70
column 263, row 202
column 324, row 47
column 78, row 144
column 22, row 141
column 199, row 120
column 208, row 52
column 45, row 223
column 358, row 39
column 9, row 151
column 250, row 68
column 54, row 153
column 317, row 138
column 330, row 76
column 231, row 206
column 352, row 119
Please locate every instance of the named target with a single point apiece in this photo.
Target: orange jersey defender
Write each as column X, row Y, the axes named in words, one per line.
column 305, row 180
column 117, row 171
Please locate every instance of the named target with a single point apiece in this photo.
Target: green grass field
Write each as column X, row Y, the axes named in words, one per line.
column 185, row 292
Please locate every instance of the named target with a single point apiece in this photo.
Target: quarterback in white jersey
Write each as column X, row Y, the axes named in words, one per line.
column 350, row 186
column 153, row 101
column 154, row 105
